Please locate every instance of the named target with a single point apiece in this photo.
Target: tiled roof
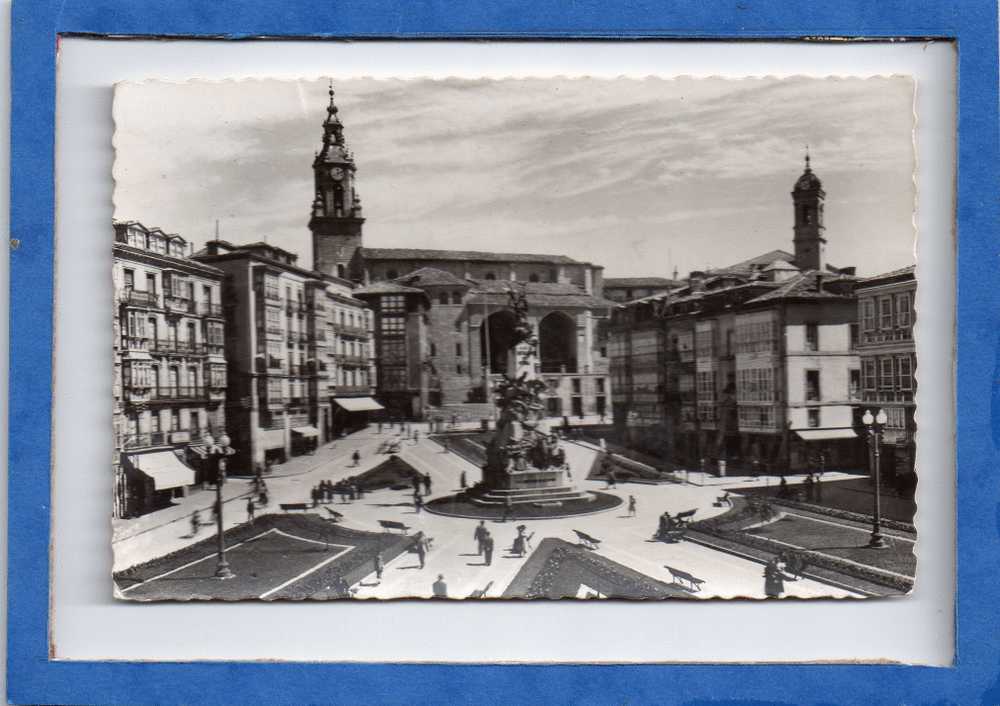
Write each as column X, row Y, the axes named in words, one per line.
column 802, row 286
column 386, row 288
column 431, row 276
column 761, row 260
column 538, row 293
column 641, row 282
column 471, row 255
column 892, row 274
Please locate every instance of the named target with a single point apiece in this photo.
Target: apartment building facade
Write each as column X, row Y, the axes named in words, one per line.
column 290, row 357
column 889, row 363
column 170, row 366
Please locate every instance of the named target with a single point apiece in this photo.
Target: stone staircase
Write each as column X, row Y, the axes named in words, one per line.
column 463, row 412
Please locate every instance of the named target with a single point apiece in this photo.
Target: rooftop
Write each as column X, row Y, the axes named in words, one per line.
column 902, row 273
column 804, row 286
column 431, row 277
column 471, row 255
column 641, row 282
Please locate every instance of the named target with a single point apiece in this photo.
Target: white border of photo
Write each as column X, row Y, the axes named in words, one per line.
column 87, row 624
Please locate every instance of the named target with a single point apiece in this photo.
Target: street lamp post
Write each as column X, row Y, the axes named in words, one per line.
column 874, row 425
column 217, row 452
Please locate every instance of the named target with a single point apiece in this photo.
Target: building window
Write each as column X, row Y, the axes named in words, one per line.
column 458, row 350
column 533, row 277
column 903, row 310
column 812, row 386
column 271, row 290
column 577, row 386
column 868, row 314
column 433, row 350
column 392, row 326
column 812, row 337
column 151, row 283
column 895, row 417
column 705, row 385
column 458, row 368
column 755, row 385
column 813, row 417
column 456, row 297
column 599, row 382
column 855, row 337
column 490, row 275
column 703, row 344
column 885, row 380
column 443, row 298
column 392, row 302
column 869, row 369
column 393, row 352
column 904, row 372
column 340, row 271
column 129, row 280
column 854, row 384
column 885, row 313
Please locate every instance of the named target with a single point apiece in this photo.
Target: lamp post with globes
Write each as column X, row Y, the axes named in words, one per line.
column 875, row 425
column 217, row 452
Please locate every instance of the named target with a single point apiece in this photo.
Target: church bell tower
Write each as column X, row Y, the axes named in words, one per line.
column 810, row 233
column 336, row 210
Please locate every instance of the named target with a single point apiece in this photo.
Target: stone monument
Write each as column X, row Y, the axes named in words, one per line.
column 525, row 459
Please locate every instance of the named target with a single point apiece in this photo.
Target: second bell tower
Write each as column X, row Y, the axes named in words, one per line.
column 336, row 220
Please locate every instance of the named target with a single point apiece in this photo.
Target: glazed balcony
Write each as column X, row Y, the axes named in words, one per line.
column 179, row 305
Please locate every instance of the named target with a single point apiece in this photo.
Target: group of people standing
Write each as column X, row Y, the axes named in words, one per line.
column 347, row 490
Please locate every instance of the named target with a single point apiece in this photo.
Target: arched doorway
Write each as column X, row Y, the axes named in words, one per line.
column 557, row 343
column 496, row 341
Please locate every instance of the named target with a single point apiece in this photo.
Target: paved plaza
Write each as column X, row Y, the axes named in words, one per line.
column 626, row 547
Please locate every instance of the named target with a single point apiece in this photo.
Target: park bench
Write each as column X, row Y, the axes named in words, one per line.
column 286, row 507
column 683, row 519
column 334, row 515
column 586, row 541
column 393, row 525
column 481, row 592
column 685, row 580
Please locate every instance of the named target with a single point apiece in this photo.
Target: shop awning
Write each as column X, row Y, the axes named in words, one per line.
column 358, row 404
column 306, row 431
column 166, row 470
column 825, row 434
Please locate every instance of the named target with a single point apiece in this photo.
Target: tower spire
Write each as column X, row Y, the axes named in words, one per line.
column 808, row 168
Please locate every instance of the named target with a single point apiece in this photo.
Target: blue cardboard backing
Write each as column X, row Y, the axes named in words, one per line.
column 33, row 678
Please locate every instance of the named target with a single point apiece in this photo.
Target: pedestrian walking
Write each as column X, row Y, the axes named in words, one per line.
column 508, row 509
column 342, row 487
column 250, row 509
column 352, row 491
column 263, row 498
column 361, row 490
column 421, row 548
column 418, row 502
column 314, row 494
column 775, row 577
column 379, row 428
column 440, row 588
column 631, row 506
column 488, row 548
column 520, row 547
column 379, row 566
column 427, row 484
column 463, row 481
column 480, row 536
column 356, row 457
column 195, row 523
column 810, row 485
column 415, row 479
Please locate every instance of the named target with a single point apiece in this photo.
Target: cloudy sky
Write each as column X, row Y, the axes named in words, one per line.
column 637, row 175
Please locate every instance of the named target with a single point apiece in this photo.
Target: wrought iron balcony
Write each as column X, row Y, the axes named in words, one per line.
column 181, row 305
column 172, row 347
column 150, row 300
column 212, row 310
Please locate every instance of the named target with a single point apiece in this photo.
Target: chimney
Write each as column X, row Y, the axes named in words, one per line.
column 696, row 280
column 819, row 281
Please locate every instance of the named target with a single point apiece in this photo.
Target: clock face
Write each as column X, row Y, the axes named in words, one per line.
column 336, row 173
